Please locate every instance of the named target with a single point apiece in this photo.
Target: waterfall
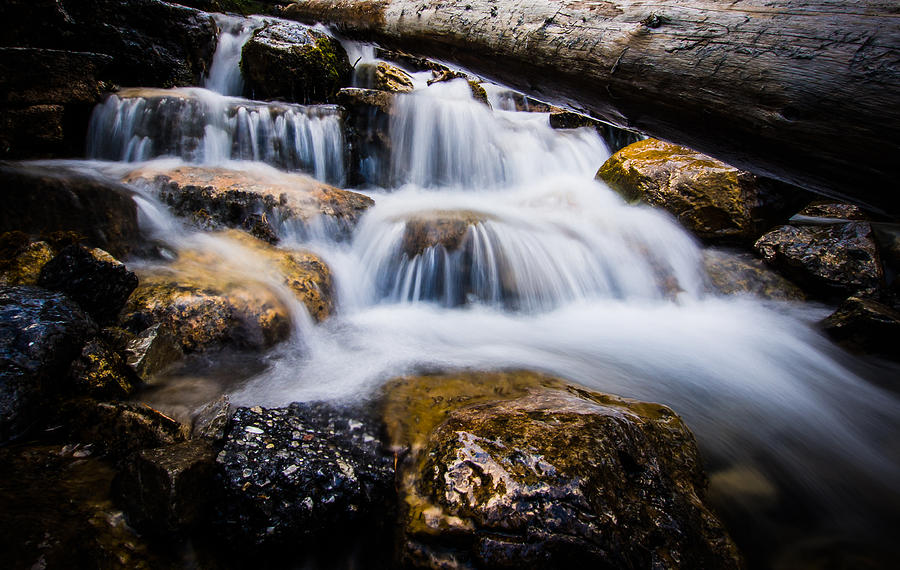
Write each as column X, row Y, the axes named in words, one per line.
column 225, row 72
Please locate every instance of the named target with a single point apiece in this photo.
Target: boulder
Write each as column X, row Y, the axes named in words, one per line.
column 36, row 76
column 259, row 202
column 518, row 469
column 446, row 228
column 41, row 332
column 733, row 273
column 715, row 201
column 43, row 200
column 292, row 62
column 832, row 211
column 153, row 350
column 830, row 260
column 100, row 372
column 22, row 263
column 167, row 489
column 94, row 279
column 309, row 469
column 866, row 325
column 383, row 76
column 36, row 131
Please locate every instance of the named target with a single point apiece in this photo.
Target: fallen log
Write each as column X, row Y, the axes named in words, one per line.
column 805, row 91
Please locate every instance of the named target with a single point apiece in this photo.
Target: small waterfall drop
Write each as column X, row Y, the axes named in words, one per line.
column 225, row 72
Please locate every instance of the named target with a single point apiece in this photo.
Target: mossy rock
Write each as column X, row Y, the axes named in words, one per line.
column 514, row 469
column 101, row 372
column 291, row 62
column 23, row 266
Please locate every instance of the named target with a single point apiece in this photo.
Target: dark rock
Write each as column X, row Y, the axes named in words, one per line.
column 151, row 43
column 887, row 242
column 828, row 260
column 309, row 469
column 32, row 132
column 833, row 210
column 715, row 201
column 733, row 273
column 33, row 76
column 168, row 489
column 23, row 266
column 515, row 101
column 292, row 62
column 518, row 469
column 210, row 422
column 153, row 350
column 42, row 200
column 866, row 325
column 409, row 61
column 94, row 279
column 478, row 92
column 615, row 138
column 41, row 332
column 368, row 121
column 100, row 372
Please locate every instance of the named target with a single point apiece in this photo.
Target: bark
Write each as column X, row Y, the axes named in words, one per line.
column 805, row 91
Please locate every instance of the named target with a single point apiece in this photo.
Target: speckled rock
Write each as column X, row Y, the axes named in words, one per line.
column 24, row 265
column 153, row 350
column 101, row 372
column 291, row 62
column 303, row 470
column 383, row 77
column 92, row 278
column 715, row 201
column 829, row 260
column 41, row 332
column 866, row 325
column 259, row 202
column 168, row 489
column 522, row 470
column 734, row 273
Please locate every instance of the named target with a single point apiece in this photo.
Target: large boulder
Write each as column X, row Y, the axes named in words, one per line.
column 306, row 470
column 715, row 201
column 522, row 470
column 41, row 332
column 292, row 62
column 42, row 200
column 263, row 202
column 830, row 260
column 92, row 278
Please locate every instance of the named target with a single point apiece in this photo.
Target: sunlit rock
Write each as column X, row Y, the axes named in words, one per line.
column 715, row 201
column 101, row 372
column 383, row 77
column 23, row 259
column 520, row 469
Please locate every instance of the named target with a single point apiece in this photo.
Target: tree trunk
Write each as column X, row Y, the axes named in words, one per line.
column 805, row 91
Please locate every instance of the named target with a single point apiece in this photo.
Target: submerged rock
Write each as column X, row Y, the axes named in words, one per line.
column 41, row 332
column 866, row 325
column 826, row 259
column 262, row 203
column 733, row 273
column 292, row 62
column 94, row 279
column 42, row 200
column 715, row 201
column 368, row 121
column 522, row 470
column 309, row 469
column 446, row 228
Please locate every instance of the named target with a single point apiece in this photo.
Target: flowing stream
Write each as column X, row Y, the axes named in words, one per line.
column 545, row 269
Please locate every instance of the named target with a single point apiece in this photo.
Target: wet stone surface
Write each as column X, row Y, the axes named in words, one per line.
column 302, row 470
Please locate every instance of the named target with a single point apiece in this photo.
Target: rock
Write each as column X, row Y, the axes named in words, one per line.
column 827, row 260
column 522, row 470
column 150, row 42
column 368, row 123
column 210, row 422
column 715, row 201
column 41, row 332
column 514, row 101
column 292, row 62
column 168, row 489
column 478, row 92
column 153, row 350
column 733, row 273
column 118, row 429
column 34, row 76
column 260, row 202
column 32, row 132
column 446, row 228
column 354, row 98
column 42, row 200
column 101, row 373
column 94, row 279
column 833, row 210
column 866, row 325
column 309, row 469
column 615, row 138
column 409, row 61
column 23, row 266
column 383, row 76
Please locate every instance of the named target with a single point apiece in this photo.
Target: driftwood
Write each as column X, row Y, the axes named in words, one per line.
column 805, row 91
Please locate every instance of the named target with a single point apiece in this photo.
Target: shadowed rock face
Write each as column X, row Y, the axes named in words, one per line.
column 742, row 273
column 513, row 469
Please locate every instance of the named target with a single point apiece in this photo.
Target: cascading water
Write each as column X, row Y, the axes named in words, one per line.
column 495, row 248
column 225, row 72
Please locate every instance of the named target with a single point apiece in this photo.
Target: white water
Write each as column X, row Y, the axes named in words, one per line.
column 225, row 72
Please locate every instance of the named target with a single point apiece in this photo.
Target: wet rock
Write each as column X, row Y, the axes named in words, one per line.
column 409, row 61
column 118, row 429
column 383, row 76
column 33, row 76
column 149, row 42
column 615, row 138
column 866, row 325
column 21, row 265
column 100, row 372
column 515, row 101
column 210, row 422
column 309, row 469
column 447, row 228
column 444, row 74
column 828, row 260
column 356, row 99
column 153, row 350
column 518, row 469
column 32, row 132
column 833, row 210
column 92, row 278
column 715, row 201
column 167, row 489
column 41, row 332
column 43, row 200
column 261, row 202
column 733, row 273
column 292, row 62
column 368, row 122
